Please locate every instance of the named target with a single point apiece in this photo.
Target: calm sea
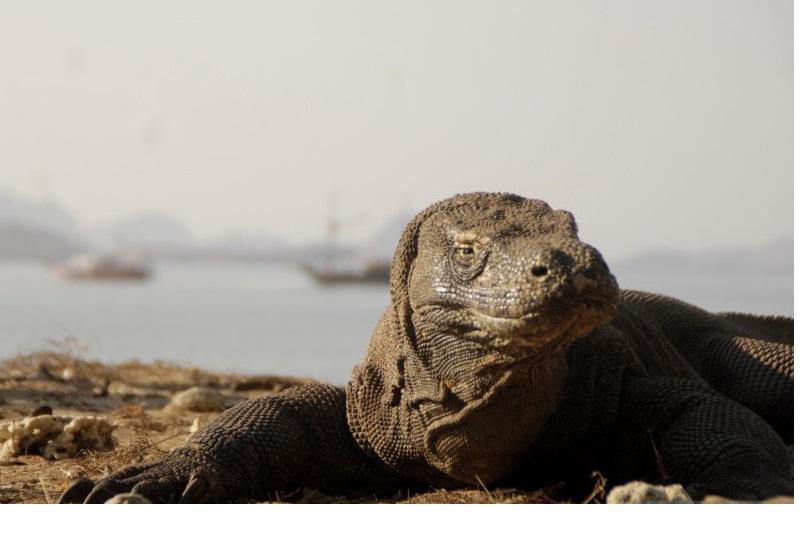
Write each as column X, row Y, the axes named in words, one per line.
column 259, row 318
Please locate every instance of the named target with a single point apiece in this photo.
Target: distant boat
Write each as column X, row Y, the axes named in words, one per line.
column 358, row 269
column 372, row 272
column 102, row 267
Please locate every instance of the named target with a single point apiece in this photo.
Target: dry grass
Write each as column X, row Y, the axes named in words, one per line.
column 134, row 395
column 32, row 479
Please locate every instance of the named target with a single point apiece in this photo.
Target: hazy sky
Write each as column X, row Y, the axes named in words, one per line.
column 658, row 123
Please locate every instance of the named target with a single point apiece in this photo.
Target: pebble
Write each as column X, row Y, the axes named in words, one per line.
column 641, row 492
column 200, row 399
column 42, row 410
column 101, row 390
column 128, row 497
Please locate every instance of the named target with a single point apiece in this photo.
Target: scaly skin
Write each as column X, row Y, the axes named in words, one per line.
column 509, row 355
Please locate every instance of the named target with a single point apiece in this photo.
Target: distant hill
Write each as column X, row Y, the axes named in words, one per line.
column 773, row 258
column 145, row 231
column 238, row 246
column 23, row 242
column 39, row 230
column 757, row 279
column 380, row 247
column 42, row 215
column 320, row 253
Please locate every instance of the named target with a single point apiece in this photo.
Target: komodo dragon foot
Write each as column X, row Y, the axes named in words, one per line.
column 172, row 480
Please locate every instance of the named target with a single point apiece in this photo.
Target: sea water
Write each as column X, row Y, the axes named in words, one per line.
column 265, row 318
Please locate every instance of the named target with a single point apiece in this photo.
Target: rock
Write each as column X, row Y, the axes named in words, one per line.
column 75, row 473
column 128, row 497
column 274, row 384
column 42, row 372
column 55, row 437
column 641, row 492
column 779, row 500
column 715, row 499
column 101, row 390
column 199, row 399
column 42, row 410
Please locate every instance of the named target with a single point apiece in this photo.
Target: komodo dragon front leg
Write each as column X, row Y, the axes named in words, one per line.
column 747, row 358
column 297, row 438
column 703, row 440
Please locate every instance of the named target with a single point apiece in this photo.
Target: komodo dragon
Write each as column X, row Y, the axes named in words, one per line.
column 508, row 355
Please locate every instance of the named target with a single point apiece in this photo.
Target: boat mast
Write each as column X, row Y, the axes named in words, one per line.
column 332, row 229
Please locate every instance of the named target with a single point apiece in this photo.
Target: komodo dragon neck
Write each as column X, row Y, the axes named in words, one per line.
column 442, row 428
column 478, row 424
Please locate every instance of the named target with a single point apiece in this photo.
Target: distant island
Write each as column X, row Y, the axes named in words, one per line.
column 44, row 231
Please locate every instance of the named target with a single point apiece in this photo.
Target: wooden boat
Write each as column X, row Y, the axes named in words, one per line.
column 108, row 267
column 372, row 272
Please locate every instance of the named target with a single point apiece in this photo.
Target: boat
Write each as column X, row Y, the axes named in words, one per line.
column 371, row 272
column 331, row 266
column 102, row 267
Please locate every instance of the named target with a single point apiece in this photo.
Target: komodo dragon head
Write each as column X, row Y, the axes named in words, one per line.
column 488, row 291
column 503, row 271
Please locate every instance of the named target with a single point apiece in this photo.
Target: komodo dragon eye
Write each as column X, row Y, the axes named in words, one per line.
column 467, row 260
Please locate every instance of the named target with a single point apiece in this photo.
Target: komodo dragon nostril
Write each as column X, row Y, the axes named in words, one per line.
column 539, row 271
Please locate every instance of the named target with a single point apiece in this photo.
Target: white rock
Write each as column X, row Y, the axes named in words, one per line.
column 641, row 492
column 55, row 437
column 128, row 497
column 200, row 399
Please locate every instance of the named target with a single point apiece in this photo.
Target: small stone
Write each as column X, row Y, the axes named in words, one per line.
column 128, row 497
column 42, row 372
column 716, row 499
column 101, row 390
column 42, row 410
column 780, row 500
column 199, row 399
column 641, row 492
column 75, row 473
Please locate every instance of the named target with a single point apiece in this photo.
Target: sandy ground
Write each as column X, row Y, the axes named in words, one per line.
column 137, row 398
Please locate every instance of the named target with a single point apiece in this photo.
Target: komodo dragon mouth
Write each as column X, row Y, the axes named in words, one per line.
column 533, row 330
